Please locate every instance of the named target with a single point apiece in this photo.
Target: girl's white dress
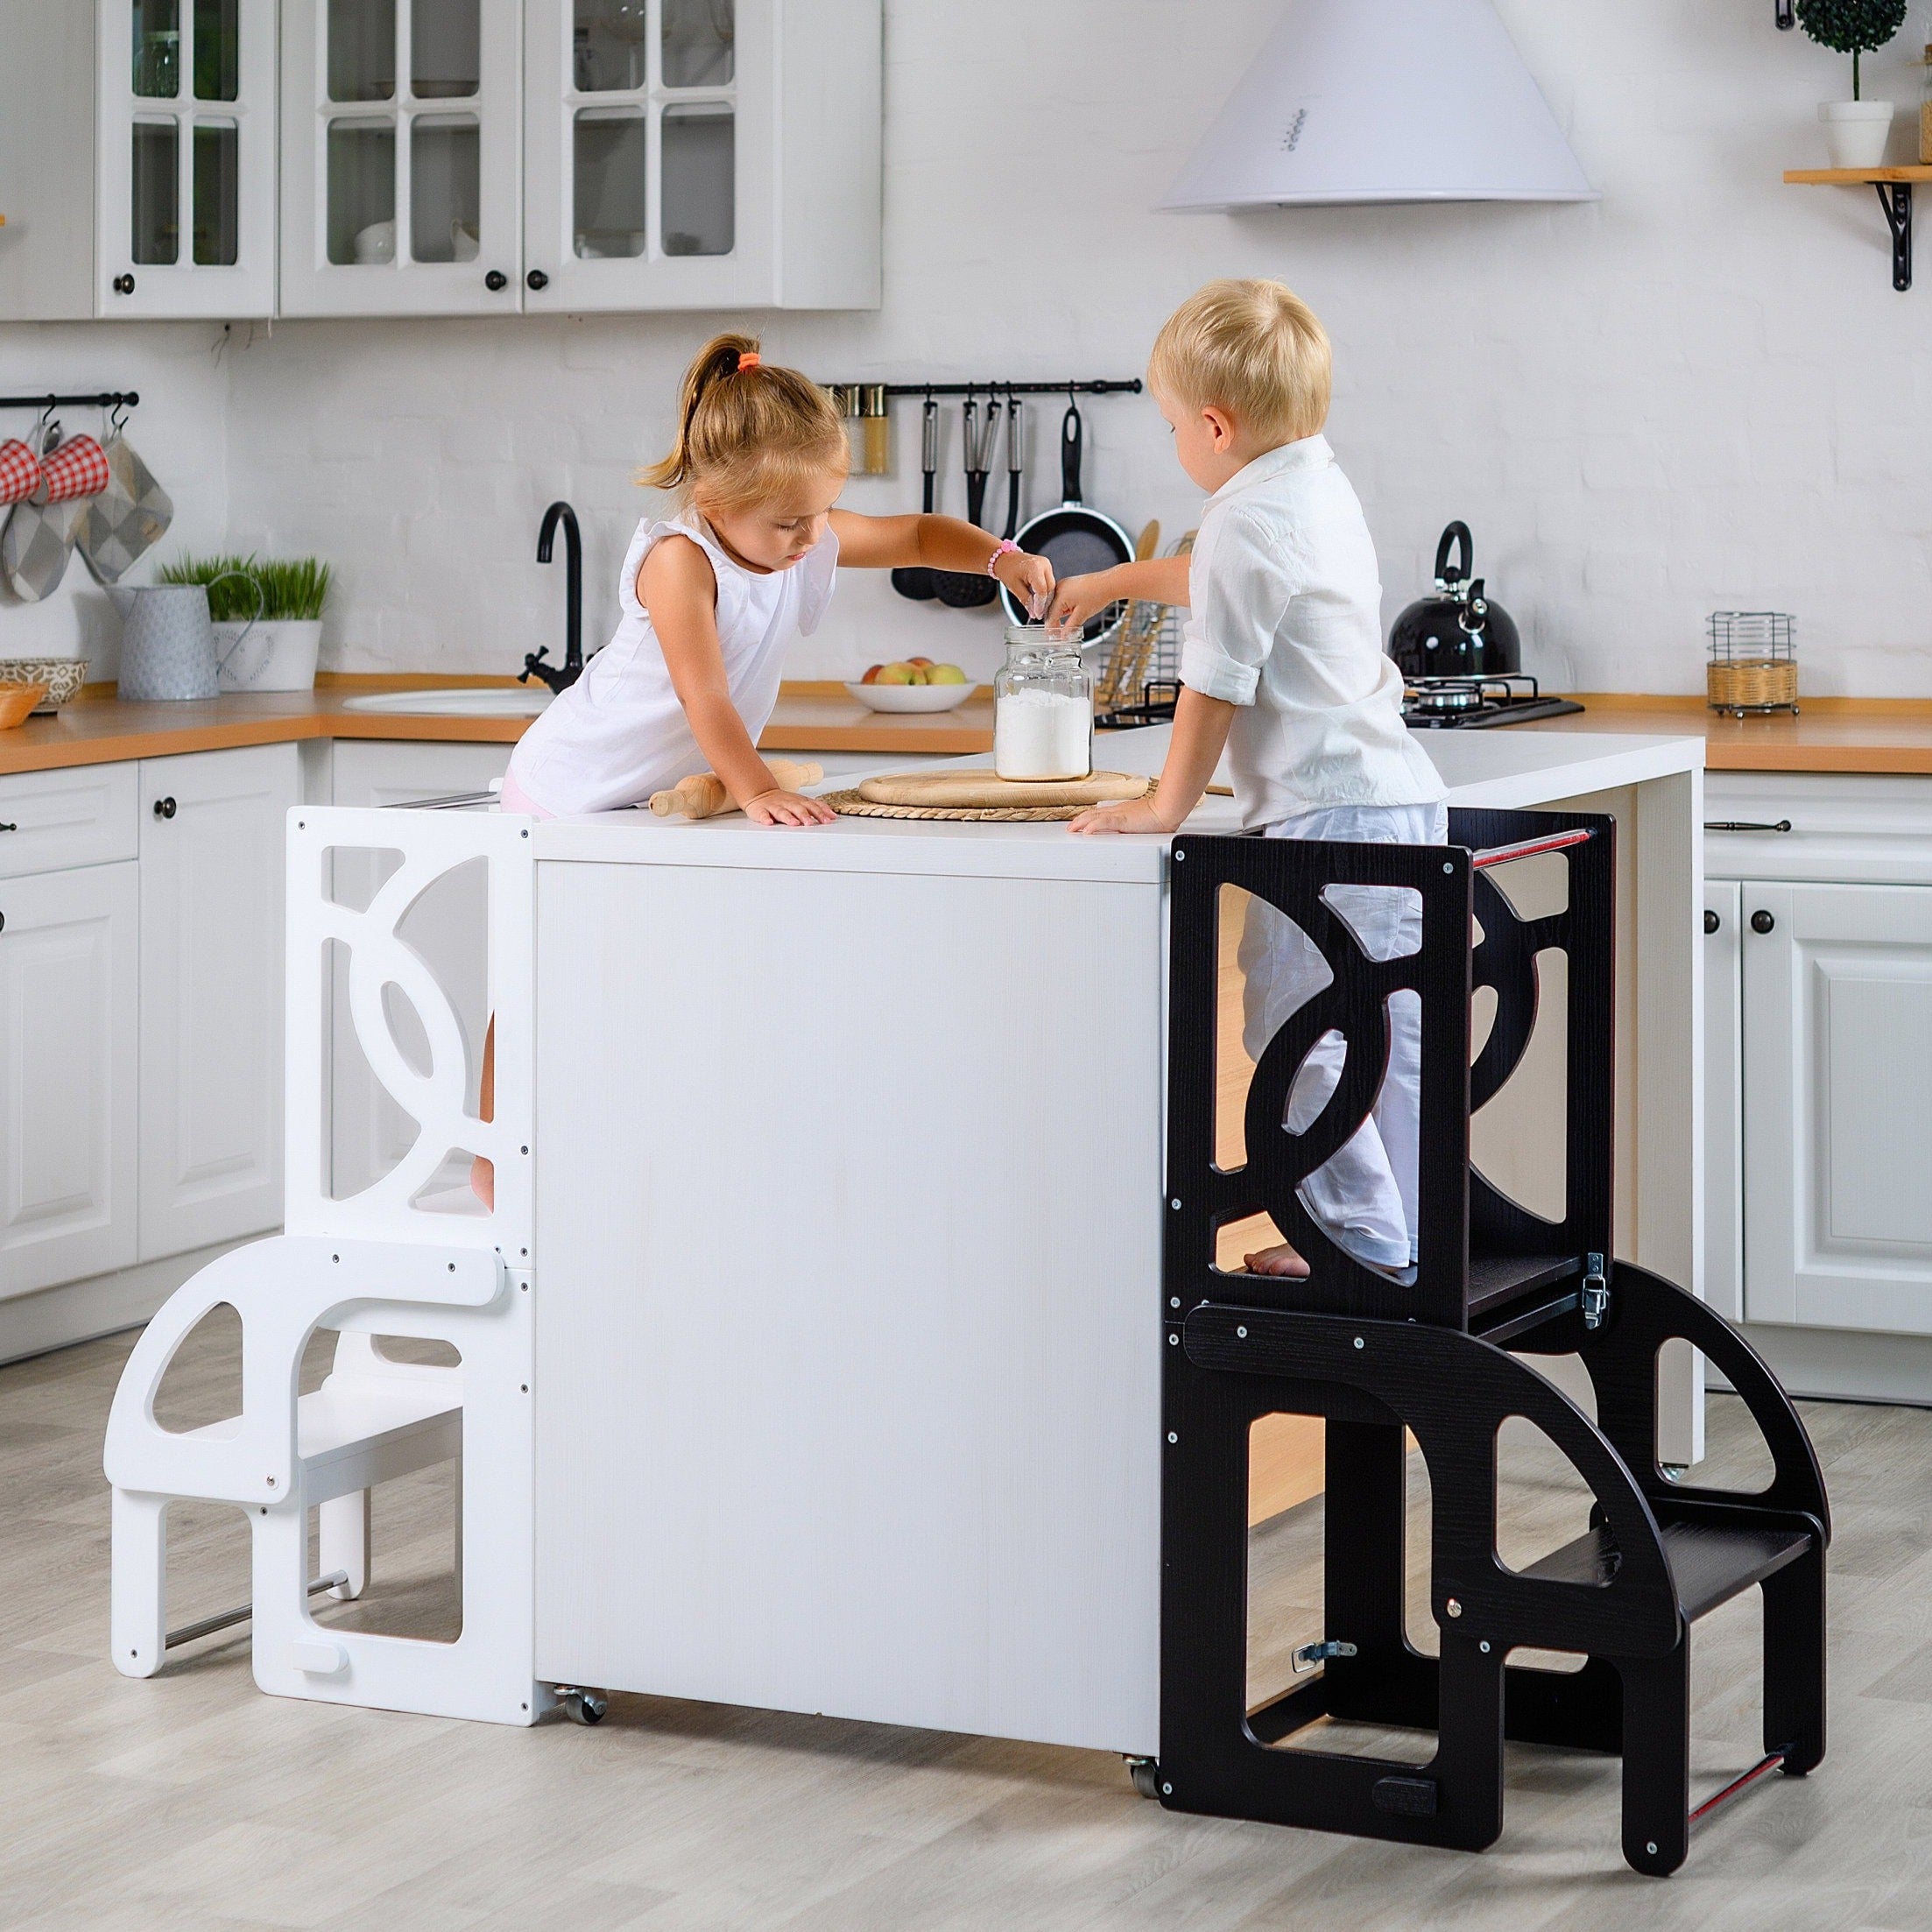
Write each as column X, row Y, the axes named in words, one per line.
column 618, row 734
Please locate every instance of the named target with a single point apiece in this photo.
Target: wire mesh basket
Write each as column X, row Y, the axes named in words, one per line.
column 1140, row 681
column 1753, row 664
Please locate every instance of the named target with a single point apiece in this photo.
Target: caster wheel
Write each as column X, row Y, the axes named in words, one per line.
column 1146, row 1774
column 583, row 1706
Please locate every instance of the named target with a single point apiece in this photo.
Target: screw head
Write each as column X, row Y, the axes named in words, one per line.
column 1176, row 1205
column 1453, row 1607
column 1447, row 866
column 1166, row 1791
column 1179, row 856
column 1174, row 1341
column 1172, row 1437
column 1484, row 1646
column 1359, row 1342
column 1651, row 1849
column 1173, row 1301
column 1243, row 1333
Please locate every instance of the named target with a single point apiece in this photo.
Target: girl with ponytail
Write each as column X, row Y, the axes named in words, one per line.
column 712, row 596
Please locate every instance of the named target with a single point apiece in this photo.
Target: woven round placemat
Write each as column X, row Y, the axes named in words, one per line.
column 850, row 805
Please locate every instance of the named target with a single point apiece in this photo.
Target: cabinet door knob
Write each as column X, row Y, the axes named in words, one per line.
column 123, row 285
column 1761, row 921
column 2, row 922
column 8, row 825
column 1711, row 921
column 164, row 807
column 495, row 280
column 537, row 278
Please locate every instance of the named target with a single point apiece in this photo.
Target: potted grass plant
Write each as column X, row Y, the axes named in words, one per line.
column 277, row 650
column 1855, row 131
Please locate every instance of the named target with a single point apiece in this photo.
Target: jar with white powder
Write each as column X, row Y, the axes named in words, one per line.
column 1043, row 709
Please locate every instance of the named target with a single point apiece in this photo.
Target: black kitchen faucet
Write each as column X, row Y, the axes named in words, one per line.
column 559, row 677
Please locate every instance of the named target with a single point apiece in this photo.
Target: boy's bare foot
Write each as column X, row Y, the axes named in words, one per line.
column 1280, row 1259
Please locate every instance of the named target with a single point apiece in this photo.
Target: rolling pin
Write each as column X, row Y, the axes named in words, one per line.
column 702, row 795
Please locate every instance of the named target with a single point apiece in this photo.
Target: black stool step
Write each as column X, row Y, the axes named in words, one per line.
column 1710, row 1564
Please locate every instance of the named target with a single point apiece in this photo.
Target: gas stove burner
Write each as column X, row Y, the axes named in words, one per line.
column 1473, row 703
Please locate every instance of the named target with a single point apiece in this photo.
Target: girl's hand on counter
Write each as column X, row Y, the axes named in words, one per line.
column 1029, row 578
column 778, row 807
column 1137, row 816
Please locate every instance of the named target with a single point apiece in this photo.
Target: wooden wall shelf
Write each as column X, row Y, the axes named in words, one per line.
column 1894, row 187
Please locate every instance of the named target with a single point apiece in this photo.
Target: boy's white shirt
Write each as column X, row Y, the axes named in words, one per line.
column 1285, row 620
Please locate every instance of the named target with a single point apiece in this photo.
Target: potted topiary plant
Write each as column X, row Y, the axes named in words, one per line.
column 277, row 650
column 1855, row 131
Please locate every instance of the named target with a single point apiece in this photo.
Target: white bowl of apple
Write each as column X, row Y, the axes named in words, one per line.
column 912, row 684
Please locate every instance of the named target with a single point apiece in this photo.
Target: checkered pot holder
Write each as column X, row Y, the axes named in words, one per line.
column 128, row 518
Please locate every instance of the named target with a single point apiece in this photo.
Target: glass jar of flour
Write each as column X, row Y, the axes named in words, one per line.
column 1043, row 709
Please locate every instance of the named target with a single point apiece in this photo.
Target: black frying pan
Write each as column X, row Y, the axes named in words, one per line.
column 914, row 580
column 1074, row 539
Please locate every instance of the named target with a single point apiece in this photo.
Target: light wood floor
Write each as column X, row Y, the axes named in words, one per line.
column 191, row 1801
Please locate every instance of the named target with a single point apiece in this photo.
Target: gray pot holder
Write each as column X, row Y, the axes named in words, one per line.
column 35, row 545
column 128, row 518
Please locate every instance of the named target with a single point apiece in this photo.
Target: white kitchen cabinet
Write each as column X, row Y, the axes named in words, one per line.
column 401, row 157
column 213, row 830
column 138, row 149
column 1837, row 1093
column 1723, row 1103
column 701, row 154
column 68, row 1074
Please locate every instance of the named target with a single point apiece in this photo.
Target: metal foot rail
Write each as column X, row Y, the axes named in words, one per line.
column 206, row 1626
column 1763, row 1768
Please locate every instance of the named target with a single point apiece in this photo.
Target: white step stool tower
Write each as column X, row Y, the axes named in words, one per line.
column 400, row 1257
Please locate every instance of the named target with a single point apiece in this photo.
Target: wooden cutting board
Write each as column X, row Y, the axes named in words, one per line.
column 966, row 791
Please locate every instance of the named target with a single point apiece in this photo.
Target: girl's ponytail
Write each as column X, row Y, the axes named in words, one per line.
column 745, row 427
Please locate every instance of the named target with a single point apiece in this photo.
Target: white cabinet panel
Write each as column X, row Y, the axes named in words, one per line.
column 213, row 833
column 368, row 1131
column 1837, row 1093
column 701, row 154
column 67, row 1074
column 83, row 815
column 402, row 157
column 1723, row 1103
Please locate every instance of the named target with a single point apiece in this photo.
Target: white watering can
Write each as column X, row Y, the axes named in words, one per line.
column 167, row 640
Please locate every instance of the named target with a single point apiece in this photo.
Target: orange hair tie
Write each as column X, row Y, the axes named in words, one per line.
column 749, row 359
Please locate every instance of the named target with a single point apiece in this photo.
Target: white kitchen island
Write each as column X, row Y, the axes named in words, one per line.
column 848, row 1230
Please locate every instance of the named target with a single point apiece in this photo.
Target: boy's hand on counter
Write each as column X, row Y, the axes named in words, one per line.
column 1029, row 578
column 1076, row 599
column 780, row 808
column 1138, row 815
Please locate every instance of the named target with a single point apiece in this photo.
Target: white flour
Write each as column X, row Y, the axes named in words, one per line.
column 1043, row 735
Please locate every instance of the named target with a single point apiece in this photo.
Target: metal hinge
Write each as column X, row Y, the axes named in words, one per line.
column 1311, row 1654
column 1595, row 1298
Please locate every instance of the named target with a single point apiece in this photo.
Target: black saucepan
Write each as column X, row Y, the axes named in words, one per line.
column 1074, row 539
column 914, row 580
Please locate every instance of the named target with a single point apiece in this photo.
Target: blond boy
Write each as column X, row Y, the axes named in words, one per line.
column 1282, row 666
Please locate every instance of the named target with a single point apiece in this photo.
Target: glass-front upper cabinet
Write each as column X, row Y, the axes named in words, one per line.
column 185, row 222
column 401, row 157
column 662, row 170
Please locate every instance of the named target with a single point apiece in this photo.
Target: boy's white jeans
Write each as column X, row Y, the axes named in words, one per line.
column 1365, row 1195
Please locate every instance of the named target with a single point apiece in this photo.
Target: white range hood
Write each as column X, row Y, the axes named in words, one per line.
column 1384, row 100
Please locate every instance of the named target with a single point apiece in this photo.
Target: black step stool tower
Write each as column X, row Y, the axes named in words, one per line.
column 1372, row 1357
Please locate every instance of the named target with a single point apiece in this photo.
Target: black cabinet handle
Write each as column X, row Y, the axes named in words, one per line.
column 2, row 922
column 164, row 807
column 1761, row 921
column 537, row 278
column 1711, row 921
column 495, row 280
column 123, row 285
column 1745, row 825
column 8, row 825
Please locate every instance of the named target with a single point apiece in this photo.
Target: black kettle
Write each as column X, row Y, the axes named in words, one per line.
column 1459, row 633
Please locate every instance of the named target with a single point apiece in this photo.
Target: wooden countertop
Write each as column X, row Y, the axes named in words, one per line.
column 1891, row 735
column 99, row 728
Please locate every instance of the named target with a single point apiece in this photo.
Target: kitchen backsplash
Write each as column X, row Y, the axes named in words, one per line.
column 1701, row 392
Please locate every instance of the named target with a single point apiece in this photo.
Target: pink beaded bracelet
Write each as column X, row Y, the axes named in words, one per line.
column 1007, row 547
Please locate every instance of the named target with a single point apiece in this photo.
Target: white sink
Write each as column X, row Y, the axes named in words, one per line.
column 497, row 701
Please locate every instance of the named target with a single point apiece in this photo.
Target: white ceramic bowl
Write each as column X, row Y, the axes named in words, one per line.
column 911, row 697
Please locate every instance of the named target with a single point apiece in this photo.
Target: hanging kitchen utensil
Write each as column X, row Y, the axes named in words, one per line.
column 128, row 518
column 1459, row 633
column 1075, row 539
column 38, row 537
column 967, row 590
column 915, row 580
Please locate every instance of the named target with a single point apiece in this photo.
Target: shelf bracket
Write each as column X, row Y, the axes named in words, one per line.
column 1895, row 198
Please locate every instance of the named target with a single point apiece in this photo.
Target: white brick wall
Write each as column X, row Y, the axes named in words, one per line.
column 1702, row 392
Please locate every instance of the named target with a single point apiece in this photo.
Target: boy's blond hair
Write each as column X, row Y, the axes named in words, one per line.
column 1252, row 348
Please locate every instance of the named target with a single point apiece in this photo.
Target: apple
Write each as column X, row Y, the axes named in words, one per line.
column 897, row 673
column 872, row 674
column 945, row 674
